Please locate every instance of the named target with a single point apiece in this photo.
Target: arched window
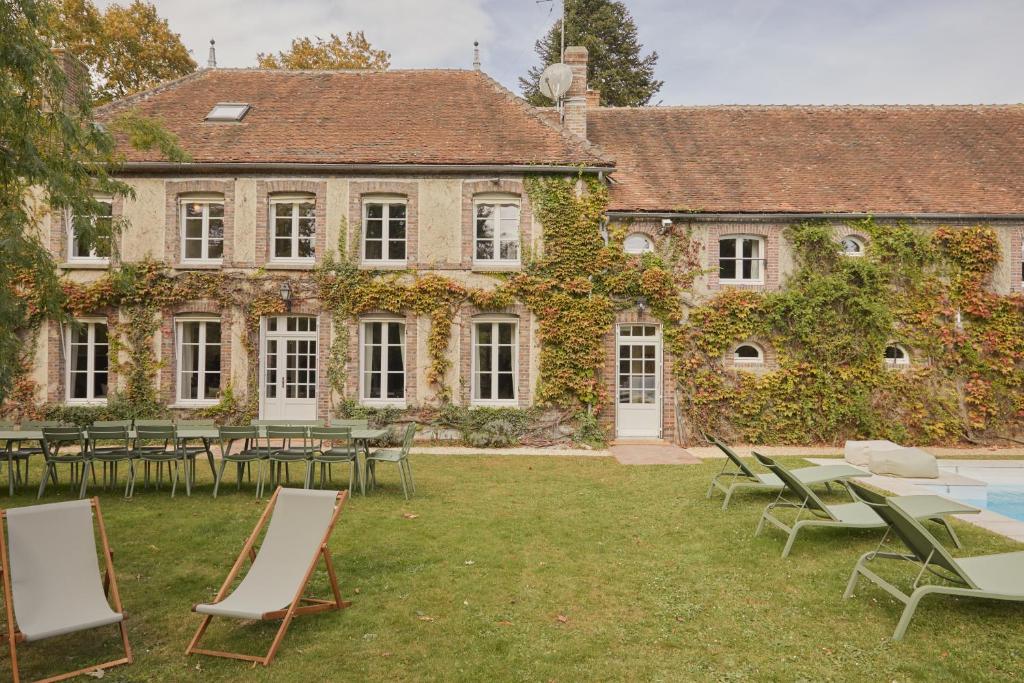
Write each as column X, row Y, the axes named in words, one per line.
column 637, row 243
column 896, row 355
column 852, row 245
column 748, row 354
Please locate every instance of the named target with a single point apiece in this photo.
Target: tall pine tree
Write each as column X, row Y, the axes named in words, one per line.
column 616, row 68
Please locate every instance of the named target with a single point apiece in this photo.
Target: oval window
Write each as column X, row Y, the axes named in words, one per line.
column 852, row 246
column 637, row 243
column 749, row 354
column 896, row 355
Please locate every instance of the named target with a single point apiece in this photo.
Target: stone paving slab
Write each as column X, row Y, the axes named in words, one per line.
column 652, row 454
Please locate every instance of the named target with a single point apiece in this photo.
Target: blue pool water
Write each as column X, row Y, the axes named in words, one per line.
column 1000, row 490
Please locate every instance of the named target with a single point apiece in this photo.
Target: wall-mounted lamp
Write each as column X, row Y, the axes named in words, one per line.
column 286, row 295
column 666, row 226
column 641, row 304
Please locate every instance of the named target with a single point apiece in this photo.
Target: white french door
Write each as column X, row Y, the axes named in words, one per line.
column 289, row 368
column 638, row 385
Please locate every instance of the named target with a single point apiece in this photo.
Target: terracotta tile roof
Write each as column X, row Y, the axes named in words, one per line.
column 357, row 117
column 880, row 159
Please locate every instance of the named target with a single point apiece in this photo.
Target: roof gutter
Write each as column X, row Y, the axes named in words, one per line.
column 255, row 167
column 775, row 216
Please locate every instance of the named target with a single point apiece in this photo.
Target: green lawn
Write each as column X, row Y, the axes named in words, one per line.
column 537, row 569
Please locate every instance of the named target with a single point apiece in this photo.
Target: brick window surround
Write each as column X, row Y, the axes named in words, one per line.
column 470, row 190
column 411, row 354
column 56, row 361
column 361, row 191
column 771, row 235
column 607, row 417
column 60, row 233
column 203, row 308
column 468, row 315
column 1016, row 259
column 174, row 189
column 265, row 189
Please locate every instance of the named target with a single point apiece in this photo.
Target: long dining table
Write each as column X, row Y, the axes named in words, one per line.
column 207, row 434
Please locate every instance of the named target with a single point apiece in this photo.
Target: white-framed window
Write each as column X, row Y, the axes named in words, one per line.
column 382, row 361
column 496, row 230
column 198, row 354
column 637, row 243
column 202, row 228
column 385, row 230
column 896, row 356
column 495, row 361
column 293, row 228
column 88, row 362
column 97, row 248
column 741, row 259
column 851, row 245
column 748, row 354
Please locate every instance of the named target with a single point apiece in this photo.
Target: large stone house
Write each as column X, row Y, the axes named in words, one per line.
column 424, row 171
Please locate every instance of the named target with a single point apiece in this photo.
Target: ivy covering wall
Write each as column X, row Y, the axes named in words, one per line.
column 827, row 326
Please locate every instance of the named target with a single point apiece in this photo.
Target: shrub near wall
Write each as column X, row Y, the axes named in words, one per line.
column 829, row 326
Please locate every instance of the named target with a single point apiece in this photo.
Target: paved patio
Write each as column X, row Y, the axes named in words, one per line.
column 651, row 453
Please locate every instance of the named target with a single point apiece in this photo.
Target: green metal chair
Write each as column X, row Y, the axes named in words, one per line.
column 332, row 445
column 398, row 456
column 157, row 447
column 191, row 452
column 169, row 454
column 21, row 451
column 116, row 448
column 288, row 452
column 251, row 451
column 56, row 438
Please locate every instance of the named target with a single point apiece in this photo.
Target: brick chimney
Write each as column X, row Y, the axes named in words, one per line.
column 575, row 101
column 77, row 84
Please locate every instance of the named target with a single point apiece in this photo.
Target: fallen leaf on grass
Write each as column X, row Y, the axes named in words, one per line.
column 98, row 673
column 562, row 619
column 504, row 622
column 424, row 617
column 409, row 515
column 469, row 562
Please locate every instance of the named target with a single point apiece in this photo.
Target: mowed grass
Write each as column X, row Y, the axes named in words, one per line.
column 536, row 569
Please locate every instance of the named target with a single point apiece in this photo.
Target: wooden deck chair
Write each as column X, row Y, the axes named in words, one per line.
column 301, row 522
column 52, row 583
column 729, row 481
column 992, row 577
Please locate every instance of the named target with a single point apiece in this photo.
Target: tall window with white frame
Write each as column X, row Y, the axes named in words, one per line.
column 89, row 236
column 495, row 361
column 202, row 229
column 383, row 361
column 198, row 357
column 496, row 234
column 293, row 222
column 88, row 362
column 741, row 259
column 384, row 231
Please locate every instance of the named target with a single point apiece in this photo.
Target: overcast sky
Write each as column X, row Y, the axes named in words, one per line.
column 711, row 51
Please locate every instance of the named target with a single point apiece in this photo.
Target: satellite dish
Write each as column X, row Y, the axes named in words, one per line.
column 555, row 81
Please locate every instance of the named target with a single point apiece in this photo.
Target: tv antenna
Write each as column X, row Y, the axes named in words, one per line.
column 561, row 53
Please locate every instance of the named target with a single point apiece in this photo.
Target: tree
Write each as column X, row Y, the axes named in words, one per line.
column 127, row 49
column 351, row 52
column 616, row 67
column 52, row 157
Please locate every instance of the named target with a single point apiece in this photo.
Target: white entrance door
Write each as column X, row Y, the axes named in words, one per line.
column 289, row 368
column 638, row 395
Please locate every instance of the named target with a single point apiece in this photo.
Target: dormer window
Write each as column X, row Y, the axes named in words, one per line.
column 228, row 111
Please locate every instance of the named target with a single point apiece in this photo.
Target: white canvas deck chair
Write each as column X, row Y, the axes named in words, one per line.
column 52, row 583
column 301, row 522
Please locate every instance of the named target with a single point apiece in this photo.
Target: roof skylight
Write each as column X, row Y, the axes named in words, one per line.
column 228, row 111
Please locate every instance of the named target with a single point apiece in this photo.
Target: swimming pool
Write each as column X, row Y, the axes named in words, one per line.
column 996, row 488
